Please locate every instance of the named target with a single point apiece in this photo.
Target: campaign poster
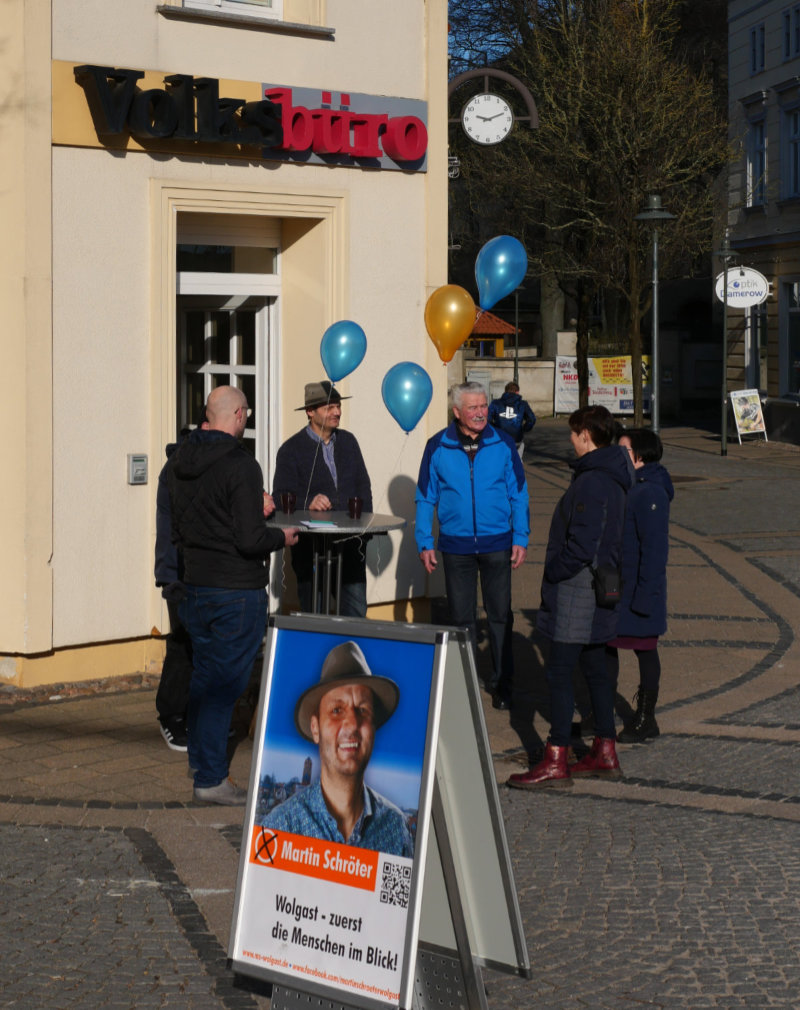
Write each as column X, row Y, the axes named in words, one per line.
column 610, row 384
column 330, row 885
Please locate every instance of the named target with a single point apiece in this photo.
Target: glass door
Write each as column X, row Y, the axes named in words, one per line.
column 226, row 342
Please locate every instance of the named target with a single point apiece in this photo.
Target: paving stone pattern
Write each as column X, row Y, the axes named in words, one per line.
column 749, row 768
column 783, row 710
column 677, row 888
column 629, row 905
column 83, row 923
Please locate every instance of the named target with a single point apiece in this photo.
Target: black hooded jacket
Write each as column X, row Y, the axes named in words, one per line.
column 216, row 493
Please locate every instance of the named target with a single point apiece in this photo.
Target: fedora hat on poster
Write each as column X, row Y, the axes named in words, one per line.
column 346, row 664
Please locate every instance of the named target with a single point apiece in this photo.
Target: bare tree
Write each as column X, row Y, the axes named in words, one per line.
column 621, row 114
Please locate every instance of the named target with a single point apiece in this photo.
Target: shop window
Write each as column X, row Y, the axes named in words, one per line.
column 756, row 163
column 758, row 48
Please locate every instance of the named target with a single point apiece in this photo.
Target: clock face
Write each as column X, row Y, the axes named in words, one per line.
column 487, row 118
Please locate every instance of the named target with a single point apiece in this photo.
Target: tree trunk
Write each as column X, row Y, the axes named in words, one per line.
column 552, row 312
column 582, row 344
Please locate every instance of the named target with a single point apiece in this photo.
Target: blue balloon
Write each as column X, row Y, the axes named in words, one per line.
column 499, row 269
column 342, row 348
column 407, row 390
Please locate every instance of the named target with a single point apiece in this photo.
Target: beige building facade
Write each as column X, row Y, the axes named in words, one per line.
column 197, row 190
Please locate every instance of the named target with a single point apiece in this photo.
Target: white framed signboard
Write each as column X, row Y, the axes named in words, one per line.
column 315, row 911
column 357, row 923
column 747, row 413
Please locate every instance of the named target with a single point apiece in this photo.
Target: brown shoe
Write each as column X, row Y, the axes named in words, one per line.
column 600, row 763
column 552, row 772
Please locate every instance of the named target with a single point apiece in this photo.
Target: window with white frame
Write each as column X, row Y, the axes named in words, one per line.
column 790, row 153
column 758, row 49
column 756, row 163
column 791, row 32
column 268, row 9
column 228, row 287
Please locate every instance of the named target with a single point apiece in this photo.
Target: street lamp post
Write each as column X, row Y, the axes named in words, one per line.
column 725, row 254
column 653, row 213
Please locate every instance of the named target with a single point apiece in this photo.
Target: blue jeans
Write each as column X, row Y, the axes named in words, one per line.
column 461, row 573
column 226, row 627
column 558, row 673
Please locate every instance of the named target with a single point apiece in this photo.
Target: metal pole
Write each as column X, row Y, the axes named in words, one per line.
column 654, row 371
column 516, row 337
column 723, row 449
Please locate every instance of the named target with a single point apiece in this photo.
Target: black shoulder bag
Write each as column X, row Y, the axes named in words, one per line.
column 606, row 579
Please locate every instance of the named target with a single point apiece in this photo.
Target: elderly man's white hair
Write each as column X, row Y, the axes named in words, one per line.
column 462, row 389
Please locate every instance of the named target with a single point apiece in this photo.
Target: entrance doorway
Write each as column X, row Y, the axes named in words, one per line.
column 227, row 314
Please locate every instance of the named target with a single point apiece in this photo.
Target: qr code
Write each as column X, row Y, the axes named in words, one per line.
column 396, row 884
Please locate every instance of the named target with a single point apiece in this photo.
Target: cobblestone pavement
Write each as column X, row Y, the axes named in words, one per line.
column 677, row 887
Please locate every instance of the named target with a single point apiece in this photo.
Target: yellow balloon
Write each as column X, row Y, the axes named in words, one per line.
column 449, row 319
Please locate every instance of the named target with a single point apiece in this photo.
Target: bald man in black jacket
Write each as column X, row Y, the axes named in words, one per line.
column 216, row 493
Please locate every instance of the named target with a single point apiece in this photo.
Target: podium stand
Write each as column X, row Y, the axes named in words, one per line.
column 467, row 916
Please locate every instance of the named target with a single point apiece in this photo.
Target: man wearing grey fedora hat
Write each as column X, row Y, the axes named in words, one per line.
column 340, row 714
column 322, row 465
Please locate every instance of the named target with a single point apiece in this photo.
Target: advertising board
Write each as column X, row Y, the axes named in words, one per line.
column 610, row 384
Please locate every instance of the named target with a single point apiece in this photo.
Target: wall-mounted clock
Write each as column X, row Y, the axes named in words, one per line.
column 487, row 118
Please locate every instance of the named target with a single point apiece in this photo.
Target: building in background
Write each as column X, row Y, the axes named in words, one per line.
column 196, row 190
column 764, row 203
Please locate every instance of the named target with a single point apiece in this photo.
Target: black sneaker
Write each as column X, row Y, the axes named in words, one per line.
column 173, row 730
column 501, row 701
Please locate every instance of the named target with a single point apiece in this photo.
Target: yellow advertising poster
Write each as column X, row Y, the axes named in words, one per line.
column 610, row 384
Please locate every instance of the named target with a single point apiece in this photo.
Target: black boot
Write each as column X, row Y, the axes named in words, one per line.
column 644, row 726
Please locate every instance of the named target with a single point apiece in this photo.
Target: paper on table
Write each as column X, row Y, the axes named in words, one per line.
column 318, row 524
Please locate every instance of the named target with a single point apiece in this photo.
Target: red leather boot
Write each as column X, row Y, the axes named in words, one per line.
column 600, row 763
column 551, row 772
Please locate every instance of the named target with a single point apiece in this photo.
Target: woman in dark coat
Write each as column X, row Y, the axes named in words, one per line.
column 643, row 605
column 585, row 532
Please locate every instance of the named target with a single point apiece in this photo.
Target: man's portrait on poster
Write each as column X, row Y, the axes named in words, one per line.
column 340, row 709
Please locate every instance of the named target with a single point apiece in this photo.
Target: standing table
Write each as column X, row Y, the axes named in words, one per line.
column 329, row 530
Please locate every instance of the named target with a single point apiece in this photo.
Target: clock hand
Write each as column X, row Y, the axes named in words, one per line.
column 488, row 119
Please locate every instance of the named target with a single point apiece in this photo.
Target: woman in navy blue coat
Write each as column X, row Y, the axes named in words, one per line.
column 585, row 532
column 643, row 606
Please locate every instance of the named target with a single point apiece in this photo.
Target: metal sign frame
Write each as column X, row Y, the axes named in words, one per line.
column 464, row 913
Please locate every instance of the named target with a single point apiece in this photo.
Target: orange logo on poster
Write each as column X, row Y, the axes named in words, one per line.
column 312, row 857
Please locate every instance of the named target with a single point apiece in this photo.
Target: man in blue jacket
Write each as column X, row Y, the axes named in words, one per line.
column 472, row 477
